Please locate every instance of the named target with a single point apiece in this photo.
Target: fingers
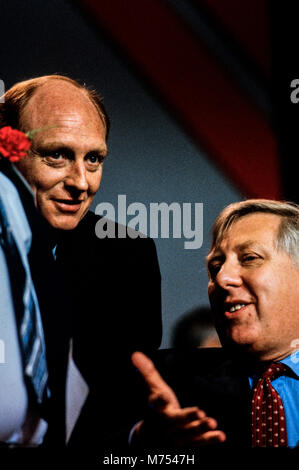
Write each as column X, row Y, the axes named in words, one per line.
column 198, row 434
column 209, row 438
column 182, row 428
column 190, row 420
column 186, row 426
column 198, row 427
column 185, row 416
column 169, row 422
column 147, row 369
column 160, row 394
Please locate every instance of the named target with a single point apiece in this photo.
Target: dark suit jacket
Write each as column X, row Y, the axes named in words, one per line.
column 115, row 287
column 106, row 295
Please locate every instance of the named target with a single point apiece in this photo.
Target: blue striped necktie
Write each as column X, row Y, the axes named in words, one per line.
column 27, row 315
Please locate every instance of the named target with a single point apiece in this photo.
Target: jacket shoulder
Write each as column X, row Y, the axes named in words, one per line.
column 201, row 360
column 100, row 228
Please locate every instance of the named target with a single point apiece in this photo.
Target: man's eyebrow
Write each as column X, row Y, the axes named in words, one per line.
column 217, row 253
column 56, row 145
column 248, row 244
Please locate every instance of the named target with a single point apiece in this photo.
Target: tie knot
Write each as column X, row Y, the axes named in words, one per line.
column 274, row 370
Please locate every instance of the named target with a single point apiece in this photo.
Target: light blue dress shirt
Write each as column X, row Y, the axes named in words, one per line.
column 288, row 390
column 13, row 392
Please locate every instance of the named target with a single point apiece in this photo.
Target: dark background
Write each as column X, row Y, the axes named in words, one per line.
column 199, row 98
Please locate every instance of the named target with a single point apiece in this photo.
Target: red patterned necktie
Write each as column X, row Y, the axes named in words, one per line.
column 268, row 418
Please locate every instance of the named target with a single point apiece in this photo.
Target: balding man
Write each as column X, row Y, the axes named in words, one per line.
column 113, row 284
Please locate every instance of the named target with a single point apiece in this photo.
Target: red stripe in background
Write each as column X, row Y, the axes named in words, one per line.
column 248, row 22
column 215, row 111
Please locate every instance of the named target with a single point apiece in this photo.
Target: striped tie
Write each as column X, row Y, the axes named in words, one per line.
column 26, row 311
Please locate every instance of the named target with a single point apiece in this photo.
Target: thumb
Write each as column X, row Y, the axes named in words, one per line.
column 161, row 394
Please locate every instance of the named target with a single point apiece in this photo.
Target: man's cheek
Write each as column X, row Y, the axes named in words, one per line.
column 42, row 203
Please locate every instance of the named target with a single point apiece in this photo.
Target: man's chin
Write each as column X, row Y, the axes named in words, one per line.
column 238, row 340
column 245, row 347
column 64, row 223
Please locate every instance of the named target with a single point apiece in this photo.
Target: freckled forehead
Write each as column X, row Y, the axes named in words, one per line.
column 60, row 104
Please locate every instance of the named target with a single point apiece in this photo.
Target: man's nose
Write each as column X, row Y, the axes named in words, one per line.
column 229, row 275
column 77, row 177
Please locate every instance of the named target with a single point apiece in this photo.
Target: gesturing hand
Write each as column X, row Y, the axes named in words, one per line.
column 167, row 423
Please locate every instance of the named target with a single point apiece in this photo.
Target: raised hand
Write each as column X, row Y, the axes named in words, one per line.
column 166, row 423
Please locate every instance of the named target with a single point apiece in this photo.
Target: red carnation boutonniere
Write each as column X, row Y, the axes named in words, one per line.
column 15, row 144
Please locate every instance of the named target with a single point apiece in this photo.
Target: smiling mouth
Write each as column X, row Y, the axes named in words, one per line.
column 70, row 202
column 236, row 307
column 68, row 205
column 234, row 310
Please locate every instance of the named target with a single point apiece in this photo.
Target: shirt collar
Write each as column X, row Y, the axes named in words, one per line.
column 292, row 361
